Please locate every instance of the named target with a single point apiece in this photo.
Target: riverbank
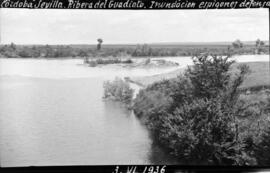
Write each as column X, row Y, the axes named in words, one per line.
column 202, row 119
column 43, row 101
column 259, row 76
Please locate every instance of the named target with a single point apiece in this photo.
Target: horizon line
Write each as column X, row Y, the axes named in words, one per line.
column 150, row 43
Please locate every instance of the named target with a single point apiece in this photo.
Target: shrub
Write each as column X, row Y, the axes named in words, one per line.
column 128, row 61
column 201, row 133
column 151, row 105
column 198, row 120
column 92, row 63
column 209, row 75
column 118, row 90
column 97, row 61
column 237, row 44
column 262, row 150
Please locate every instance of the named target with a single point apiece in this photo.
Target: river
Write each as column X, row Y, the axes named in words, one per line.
column 52, row 113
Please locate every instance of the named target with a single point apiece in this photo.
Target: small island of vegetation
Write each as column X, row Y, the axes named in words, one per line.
column 118, row 90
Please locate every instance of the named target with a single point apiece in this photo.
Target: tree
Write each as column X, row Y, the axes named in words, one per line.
column 259, row 43
column 199, row 126
column 100, row 41
column 237, row 44
column 118, row 90
column 13, row 46
column 24, row 53
column 209, row 75
column 210, row 117
column 143, row 50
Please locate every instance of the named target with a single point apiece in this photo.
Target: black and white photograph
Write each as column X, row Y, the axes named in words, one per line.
column 134, row 87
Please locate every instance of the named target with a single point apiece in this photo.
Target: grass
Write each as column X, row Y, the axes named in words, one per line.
column 144, row 81
column 258, row 78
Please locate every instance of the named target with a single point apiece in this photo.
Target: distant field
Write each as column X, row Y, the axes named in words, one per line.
column 144, row 81
column 157, row 45
column 129, row 50
column 259, row 76
column 184, row 46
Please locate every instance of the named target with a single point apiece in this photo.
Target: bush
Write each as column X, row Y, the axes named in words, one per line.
column 198, row 131
column 92, row 63
column 195, row 116
column 237, row 44
column 107, row 61
column 150, row 106
column 118, row 90
column 262, row 150
column 128, row 61
column 209, row 75
column 97, row 61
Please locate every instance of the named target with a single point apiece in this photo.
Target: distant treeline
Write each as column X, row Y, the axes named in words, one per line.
column 145, row 50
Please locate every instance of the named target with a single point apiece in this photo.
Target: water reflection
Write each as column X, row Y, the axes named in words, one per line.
column 65, row 122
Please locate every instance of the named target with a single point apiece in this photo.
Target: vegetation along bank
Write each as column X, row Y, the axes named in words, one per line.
column 203, row 116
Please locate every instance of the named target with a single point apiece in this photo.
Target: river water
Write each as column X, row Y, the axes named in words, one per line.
column 52, row 113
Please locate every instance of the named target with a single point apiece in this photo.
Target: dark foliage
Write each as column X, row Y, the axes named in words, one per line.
column 197, row 117
column 118, row 90
column 237, row 44
column 262, row 150
column 209, row 75
column 95, row 62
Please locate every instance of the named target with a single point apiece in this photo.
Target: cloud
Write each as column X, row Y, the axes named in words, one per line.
column 36, row 26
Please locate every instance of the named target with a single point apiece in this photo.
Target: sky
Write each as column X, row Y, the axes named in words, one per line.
column 58, row 26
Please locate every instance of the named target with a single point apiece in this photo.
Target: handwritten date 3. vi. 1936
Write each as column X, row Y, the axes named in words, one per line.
column 146, row 169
